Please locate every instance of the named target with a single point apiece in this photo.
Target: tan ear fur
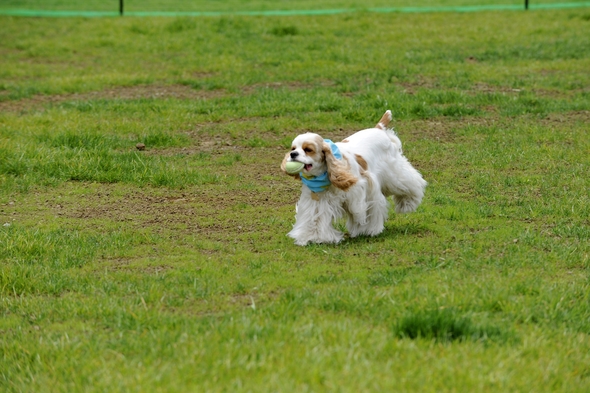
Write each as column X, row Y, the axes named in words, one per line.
column 338, row 170
column 295, row 175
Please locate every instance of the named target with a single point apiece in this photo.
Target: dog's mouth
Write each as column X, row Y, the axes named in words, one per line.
column 306, row 167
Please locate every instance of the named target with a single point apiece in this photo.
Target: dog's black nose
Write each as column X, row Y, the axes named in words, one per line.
column 294, row 154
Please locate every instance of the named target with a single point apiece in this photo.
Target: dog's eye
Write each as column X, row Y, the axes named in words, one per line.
column 308, row 150
column 293, row 148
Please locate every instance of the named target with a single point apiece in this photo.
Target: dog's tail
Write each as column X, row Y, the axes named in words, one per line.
column 383, row 125
column 385, row 120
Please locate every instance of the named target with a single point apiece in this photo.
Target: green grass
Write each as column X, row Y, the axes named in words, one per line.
column 168, row 269
column 444, row 325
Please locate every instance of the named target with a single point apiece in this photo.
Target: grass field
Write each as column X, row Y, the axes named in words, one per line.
column 168, row 270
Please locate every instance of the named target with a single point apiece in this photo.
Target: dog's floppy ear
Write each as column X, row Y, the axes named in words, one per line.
column 295, row 175
column 338, row 170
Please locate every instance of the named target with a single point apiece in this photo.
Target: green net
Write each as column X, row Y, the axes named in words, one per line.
column 261, row 7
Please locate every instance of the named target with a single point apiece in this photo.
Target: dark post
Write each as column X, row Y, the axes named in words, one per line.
column 526, row 4
column 121, row 7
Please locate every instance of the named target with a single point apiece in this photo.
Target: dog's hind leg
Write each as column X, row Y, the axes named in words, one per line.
column 409, row 189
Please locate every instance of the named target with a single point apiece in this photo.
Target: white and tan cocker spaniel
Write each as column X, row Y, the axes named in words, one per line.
column 351, row 178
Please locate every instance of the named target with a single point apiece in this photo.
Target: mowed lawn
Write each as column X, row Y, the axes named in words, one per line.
column 168, row 269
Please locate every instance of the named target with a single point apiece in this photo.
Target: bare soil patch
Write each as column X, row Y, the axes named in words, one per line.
column 290, row 85
column 181, row 92
column 568, row 117
column 242, row 204
column 439, row 129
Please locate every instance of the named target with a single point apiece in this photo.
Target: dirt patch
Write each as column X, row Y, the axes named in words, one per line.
column 440, row 129
column 289, row 85
column 242, row 206
column 131, row 264
column 180, row 92
column 568, row 117
column 486, row 88
column 425, row 129
column 412, row 88
column 136, row 206
column 207, row 147
column 506, row 90
column 213, row 213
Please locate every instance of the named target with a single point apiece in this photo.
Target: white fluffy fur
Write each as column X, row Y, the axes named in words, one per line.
column 355, row 193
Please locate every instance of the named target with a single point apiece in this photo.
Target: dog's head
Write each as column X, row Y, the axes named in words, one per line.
column 307, row 149
column 318, row 158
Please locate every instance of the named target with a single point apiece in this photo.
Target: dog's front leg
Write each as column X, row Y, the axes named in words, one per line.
column 356, row 203
column 314, row 220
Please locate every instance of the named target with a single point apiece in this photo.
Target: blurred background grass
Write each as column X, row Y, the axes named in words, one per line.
column 237, row 6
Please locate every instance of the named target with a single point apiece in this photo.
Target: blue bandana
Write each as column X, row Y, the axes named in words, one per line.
column 322, row 182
